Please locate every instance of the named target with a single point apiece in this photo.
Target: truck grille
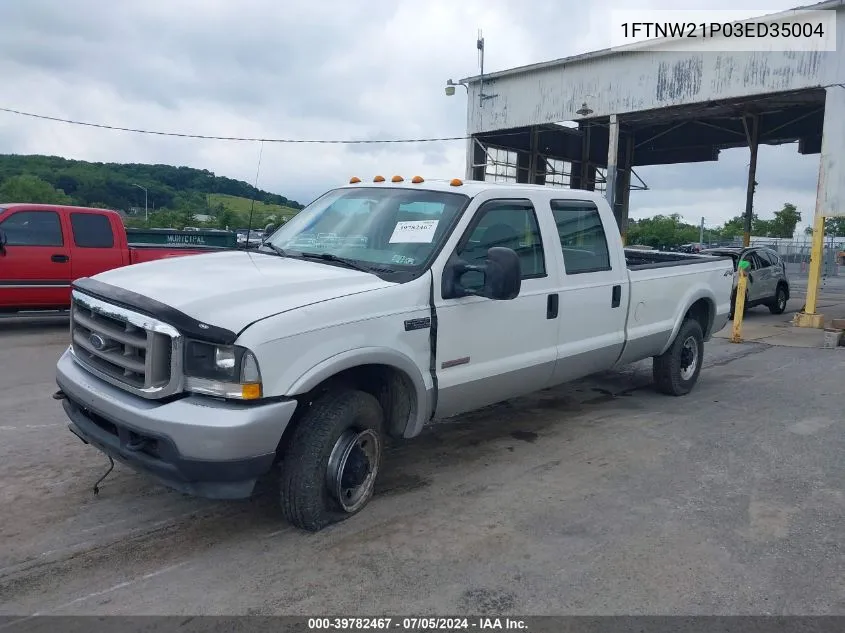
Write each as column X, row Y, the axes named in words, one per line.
column 128, row 349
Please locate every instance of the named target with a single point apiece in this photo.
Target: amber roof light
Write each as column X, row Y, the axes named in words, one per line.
column 397, row 179
column 456, row 182
column 417, row 180
column 378, row 179
column 354, row 180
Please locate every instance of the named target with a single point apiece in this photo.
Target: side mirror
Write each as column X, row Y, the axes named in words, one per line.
column 3, row 240
column 502, row 273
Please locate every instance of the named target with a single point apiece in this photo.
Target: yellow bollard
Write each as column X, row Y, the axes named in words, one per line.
column 739, row 304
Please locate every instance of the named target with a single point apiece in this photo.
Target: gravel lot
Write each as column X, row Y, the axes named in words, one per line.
column 601, row 497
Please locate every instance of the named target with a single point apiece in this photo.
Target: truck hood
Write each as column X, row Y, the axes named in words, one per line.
column 234, row 288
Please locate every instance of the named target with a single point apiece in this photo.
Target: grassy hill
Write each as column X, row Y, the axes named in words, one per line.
column 242, row 206
column 174, row 195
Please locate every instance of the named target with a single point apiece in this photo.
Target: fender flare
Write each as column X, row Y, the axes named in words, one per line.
column 371, row 356
column 698, row 294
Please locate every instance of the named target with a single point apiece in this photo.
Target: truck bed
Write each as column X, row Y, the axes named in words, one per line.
column 637, row 259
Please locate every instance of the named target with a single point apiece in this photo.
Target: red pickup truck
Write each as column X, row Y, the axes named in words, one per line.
column 43, row 248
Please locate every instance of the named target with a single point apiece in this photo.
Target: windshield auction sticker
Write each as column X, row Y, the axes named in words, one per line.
column 414, row 232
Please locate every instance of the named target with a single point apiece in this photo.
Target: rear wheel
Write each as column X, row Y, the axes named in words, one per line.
column 676, row 370
column 778, row 304
column 332, row 460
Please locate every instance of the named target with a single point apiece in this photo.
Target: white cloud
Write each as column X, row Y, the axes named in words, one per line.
column 317, row 70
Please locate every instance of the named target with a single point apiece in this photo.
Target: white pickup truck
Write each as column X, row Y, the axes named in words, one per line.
column 378, row 308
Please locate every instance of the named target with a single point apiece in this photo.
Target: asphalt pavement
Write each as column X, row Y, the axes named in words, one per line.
column 599, row 497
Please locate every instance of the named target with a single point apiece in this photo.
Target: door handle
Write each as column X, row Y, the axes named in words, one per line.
column 59, row 259
column 616, row 297
column 552, row 306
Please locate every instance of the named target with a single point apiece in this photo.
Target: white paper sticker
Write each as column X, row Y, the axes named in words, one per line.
column 414, row 232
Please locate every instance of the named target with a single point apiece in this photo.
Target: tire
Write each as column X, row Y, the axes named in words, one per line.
column 318, row 442
column 778, row 306
column 670, row 375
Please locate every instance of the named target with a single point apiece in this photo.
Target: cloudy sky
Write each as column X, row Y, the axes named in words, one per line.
column 320, row 70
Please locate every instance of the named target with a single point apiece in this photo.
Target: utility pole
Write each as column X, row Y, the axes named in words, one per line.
column 146, row 213
column 701, row 234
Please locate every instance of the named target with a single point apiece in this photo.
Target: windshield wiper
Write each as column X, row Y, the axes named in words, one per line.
column 328, row 257
column 279, row 251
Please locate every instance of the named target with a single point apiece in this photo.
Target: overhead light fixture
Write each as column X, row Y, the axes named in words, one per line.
column 583, row 110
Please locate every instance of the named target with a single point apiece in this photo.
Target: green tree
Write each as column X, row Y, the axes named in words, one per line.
column 733, row 228
column 28, row 188
column 785, row 221
column 833, row 227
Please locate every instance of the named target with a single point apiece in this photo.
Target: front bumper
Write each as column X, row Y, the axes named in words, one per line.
column 200, row 446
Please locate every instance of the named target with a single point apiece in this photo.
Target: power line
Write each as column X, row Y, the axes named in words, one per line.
column 232, row 138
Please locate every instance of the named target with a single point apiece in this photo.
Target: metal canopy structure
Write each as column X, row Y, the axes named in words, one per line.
column 654, row 103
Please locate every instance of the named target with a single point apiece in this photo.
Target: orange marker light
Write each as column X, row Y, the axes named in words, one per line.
column 251, row 391
column 378, row 179
column 397, row 179
column 354, row 180
column 456, row 182
column 417, row 180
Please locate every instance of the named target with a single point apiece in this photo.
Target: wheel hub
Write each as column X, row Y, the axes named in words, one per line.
column 352, row 468
column 356, row 469
column 689, row 358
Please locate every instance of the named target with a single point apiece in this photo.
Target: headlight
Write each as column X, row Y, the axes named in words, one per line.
column 226, row 371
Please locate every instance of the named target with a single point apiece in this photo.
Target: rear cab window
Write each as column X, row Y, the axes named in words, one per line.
column 582, row 236
column 91, row 230
column 33, row 228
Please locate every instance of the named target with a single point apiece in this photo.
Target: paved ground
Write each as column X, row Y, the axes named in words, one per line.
column 602, row 497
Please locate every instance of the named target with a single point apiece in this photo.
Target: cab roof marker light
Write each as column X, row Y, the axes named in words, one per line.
column 397, row 179
column 417, row 180
column 354, row 180
column 456, row 182
column 378, row 179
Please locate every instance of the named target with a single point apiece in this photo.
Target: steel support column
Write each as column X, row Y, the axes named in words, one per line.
column 830, row 199
column 752, row 135
column 585, row 178
column 623, row 187
column 534, row 157
column 469, row 172
column 612, row 159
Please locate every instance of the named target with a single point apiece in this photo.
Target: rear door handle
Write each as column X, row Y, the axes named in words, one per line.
column 616, row 297
column 59, row 259
column 552, row 306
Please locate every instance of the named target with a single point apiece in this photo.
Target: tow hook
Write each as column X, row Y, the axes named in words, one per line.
column 60, row 395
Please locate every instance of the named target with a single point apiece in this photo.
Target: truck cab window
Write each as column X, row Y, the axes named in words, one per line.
column 510, row 224
column 91, row 230
column 33, row 228
column 582, row 236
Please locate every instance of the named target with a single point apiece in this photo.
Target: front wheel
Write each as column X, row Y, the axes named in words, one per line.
column 332, row 460
column 676, row 370
column 778, row 305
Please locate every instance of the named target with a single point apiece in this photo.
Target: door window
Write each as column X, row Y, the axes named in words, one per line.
column 33, row 228
column 753, row 262
column 506, row 223
column 582, row 236
column 91, row 230
column 764, row 259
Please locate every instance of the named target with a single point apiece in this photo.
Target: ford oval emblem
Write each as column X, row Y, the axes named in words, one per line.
column 97, row 342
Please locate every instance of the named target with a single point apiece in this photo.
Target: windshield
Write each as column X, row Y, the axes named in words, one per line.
column 386, row 229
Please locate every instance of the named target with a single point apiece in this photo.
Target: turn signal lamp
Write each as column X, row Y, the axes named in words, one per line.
column 397, row 179
column 456, row 182
column 354, row 180
column 417, row 180
column 378, row 179
column 251, row 391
